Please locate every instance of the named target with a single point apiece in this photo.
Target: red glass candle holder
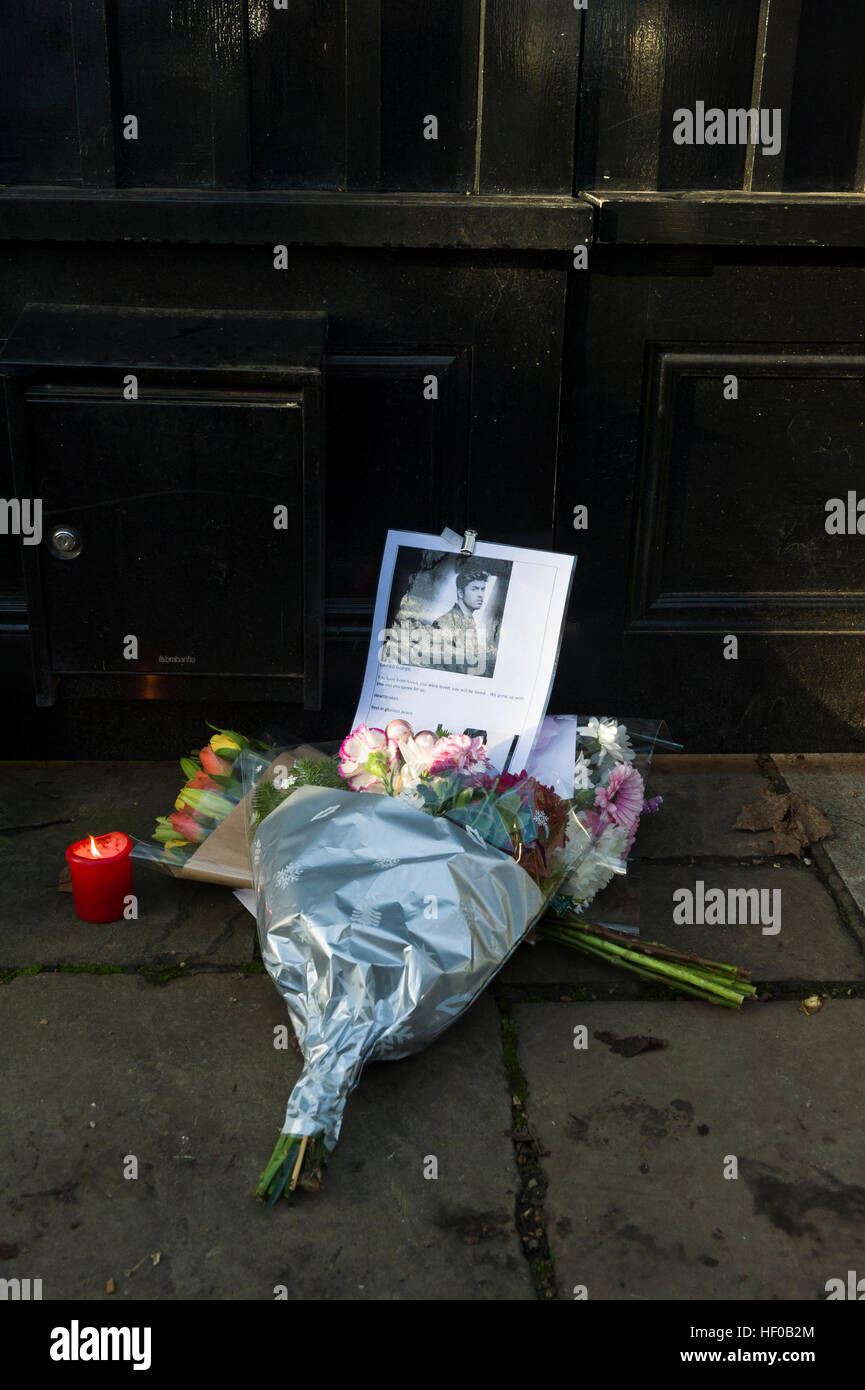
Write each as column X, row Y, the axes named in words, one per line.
column 101, row 873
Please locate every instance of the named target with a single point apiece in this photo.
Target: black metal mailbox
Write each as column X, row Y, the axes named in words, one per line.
column 178, row 460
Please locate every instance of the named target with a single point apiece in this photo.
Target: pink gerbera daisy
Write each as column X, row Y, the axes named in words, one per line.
column 620, row 802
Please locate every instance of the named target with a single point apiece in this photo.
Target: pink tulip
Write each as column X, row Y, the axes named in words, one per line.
column 186, row 825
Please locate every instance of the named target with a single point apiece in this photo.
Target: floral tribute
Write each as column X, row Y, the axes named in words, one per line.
column 571, row 848
column 609, row 794
column 450, row 775
column 210, row 793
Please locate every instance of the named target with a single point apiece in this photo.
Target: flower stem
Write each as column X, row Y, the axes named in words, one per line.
column 278, row 1170
column 297, row 1167
column 570, row 919
column 295, row 1159
column 653, row 977
column 712, row 981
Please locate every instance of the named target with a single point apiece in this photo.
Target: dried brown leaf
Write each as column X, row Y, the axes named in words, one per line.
column 787, row 839
column 762, row 814
column 795, row 823
column 815, row 824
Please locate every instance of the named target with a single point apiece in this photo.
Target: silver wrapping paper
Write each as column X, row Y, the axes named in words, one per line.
column 379, row 924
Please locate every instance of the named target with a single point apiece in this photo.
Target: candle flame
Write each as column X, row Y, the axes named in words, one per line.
column 93, row 850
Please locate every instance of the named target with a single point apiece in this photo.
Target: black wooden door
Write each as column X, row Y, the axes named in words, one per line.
column 423, row 173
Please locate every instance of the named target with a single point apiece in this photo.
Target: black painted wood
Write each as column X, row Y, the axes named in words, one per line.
column 718, row 505
column 429, row 56
column 774, row 72
column 491, row 323
column 363, row 95
column 375, row 397
column 297, row 88
column 269, row 346
column 303, row 125
column 164, row 79
column 728, row 219
column 25, row 484
column 263, row 220
column 621, row 94
column 94, row 92
column 531, row 58
column 173, row 491
column 229, row 95
column 309, row 561
column 709, row 55
column 776, row 570
column 13, row 615
column 38, row 121
column 646, row 59
column 828, row 99
column 169, row 485
column 323, row 95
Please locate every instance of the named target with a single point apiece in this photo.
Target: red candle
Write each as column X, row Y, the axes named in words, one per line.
column 101, row 872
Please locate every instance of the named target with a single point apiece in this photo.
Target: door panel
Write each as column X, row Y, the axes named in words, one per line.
column 706, row 514
column 174, row 502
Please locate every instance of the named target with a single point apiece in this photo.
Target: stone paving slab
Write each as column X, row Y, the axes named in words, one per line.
column 100, row 796
column 185, row 1076
column 196, row 923
column 813, row 943
column 178, row 921
column 638, row 1206
column 835, row 783
column 34, row 797
column 703, row 795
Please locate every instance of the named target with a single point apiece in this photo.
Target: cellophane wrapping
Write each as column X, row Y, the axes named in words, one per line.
column 380, row 923
column 605, row 886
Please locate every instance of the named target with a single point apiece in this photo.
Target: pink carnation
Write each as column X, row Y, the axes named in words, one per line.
column 355, row 752
column 619, row 803
column 458, row 753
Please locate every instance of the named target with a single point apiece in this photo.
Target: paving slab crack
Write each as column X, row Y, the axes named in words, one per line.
column 720, row 861
column 768, row 991
column 528, row 1152
column 852, row 917
column 153, row 971
column 42, row 825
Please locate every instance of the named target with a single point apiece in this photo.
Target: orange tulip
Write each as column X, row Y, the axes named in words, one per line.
column 202, row 780
column 216, row 766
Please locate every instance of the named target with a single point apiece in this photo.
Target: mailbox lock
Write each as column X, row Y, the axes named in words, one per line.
column 66, row 542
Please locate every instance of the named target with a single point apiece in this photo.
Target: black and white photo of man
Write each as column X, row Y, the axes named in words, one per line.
column 445, row 612
column 458, row 627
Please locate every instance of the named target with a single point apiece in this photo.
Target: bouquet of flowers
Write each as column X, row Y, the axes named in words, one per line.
column 197, row 839
column 392, row 884
column 395, row 880
column 609, row 796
